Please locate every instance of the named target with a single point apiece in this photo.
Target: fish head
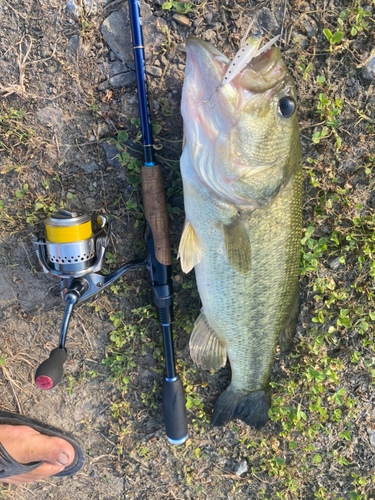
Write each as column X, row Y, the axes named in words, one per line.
column 240, row 137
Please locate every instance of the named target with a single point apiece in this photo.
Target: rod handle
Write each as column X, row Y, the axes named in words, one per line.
column 50, row 372
column 155, row 208
column 175, row 411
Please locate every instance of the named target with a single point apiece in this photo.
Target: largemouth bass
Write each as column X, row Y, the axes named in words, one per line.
column 242, row 180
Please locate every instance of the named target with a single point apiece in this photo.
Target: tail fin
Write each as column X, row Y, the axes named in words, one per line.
column 250, row 407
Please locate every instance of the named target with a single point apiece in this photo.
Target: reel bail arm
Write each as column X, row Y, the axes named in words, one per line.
column 78, row 264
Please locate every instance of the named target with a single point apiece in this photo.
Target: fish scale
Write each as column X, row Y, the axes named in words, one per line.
column 243, row 224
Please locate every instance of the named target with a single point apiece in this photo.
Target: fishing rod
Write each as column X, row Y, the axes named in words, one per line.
column 158, row 245
column 73, row 250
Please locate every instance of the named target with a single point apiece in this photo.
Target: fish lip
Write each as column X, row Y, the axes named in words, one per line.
column 263, row 60
column 204, row 54
column 198, row 42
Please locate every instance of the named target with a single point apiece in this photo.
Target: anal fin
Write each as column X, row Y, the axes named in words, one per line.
column 237, row 245
column 206, row 350
column 189, row 251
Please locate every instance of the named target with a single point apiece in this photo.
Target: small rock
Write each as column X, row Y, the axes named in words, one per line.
column 300, row 40
column 103, row 86
column 310, row 27
column 208, row 17
column 368, row 69
column 90, row 6
column 241, row 468
column 163, row 60
column 154, row 71
column 52, row 117
column 93, row 474
column 335, row 264
column 73, row 44
column 110, row 153
column 181, row 47
column 197, row 22
column 181, row 19
column 118, row 81
column 267, row 20
column 123, row 80
column 89, row 167
column 371, row 436
column 73, row 8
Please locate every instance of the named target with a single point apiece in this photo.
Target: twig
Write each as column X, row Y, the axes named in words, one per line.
column 21, row 60
column 110, row 442
column 87, row 336
column 96, row 459
column 6, row 375
column 14, row 10
column 27, row 255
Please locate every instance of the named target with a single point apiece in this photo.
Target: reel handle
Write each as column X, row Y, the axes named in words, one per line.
column 50, row 372
column 175, row 418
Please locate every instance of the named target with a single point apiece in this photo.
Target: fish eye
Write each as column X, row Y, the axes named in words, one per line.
column 287, row 106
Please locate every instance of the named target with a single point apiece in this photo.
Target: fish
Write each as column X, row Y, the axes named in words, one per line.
column 242, row 182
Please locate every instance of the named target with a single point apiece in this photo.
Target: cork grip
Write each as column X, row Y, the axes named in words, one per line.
column 155, row 208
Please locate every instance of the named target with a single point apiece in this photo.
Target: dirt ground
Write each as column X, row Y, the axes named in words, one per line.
column 68, row 107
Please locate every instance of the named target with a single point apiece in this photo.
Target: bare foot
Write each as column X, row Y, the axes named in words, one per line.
column 26, row 445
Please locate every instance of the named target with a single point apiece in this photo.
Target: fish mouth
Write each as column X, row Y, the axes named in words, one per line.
column 263, row 73
column 205, row 60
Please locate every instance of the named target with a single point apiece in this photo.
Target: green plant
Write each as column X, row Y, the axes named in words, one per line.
column 355, row 15
column 311, row 251
column 13, row 132
column 181, row 8
column 333, row 38
column 306, row 68
column 328, row 109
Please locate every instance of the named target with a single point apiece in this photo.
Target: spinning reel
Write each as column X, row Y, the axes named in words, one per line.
column 73, row 253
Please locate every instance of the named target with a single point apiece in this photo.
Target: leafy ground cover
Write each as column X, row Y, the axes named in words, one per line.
column 69, row 139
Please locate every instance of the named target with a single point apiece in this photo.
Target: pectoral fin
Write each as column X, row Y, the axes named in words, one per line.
column 189, row 251
column 237, row 245
column 206, row 350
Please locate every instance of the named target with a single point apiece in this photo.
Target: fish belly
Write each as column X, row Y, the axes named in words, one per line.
column 247, row 310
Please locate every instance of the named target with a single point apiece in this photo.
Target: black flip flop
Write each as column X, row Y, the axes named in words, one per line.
column 13, row 468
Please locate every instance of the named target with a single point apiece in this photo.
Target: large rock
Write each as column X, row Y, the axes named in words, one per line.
column 52, row 117
column 117, row 33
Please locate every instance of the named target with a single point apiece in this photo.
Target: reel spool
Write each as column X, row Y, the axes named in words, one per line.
column 70, row 243
column 70, row 248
